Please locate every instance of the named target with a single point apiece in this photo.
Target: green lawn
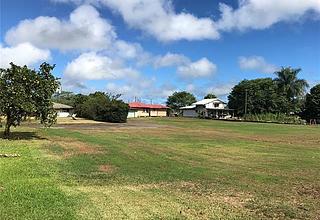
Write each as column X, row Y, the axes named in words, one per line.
column 175, row 169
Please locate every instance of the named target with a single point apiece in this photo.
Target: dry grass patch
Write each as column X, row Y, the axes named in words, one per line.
column 107, row 168
column 311, row 191
column 164, row 200
column 236, row 200
column 195, row 191
column 69, row 120
column 72, row 147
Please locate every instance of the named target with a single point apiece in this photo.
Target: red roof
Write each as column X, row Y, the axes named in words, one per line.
column 142, row 105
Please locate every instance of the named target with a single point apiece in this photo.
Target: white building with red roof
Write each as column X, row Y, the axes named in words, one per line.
column 139, row 109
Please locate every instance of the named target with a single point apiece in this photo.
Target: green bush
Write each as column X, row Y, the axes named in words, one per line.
column 103, row 107
column 275, row 118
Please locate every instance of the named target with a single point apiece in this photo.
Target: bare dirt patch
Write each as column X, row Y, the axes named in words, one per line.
column 68, row 121
column 311, row 191
column 107, row 168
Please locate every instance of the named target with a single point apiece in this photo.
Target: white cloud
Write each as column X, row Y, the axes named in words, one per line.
column 85, row 29
column 191, row 88
column 127, row 91
column 22, row 54
column 220, row 90
column 127, row 50
column 256, row 63
column 200, row 68
column 158, row 18
column 92, row 66
column 170, row 59
column 261, row 14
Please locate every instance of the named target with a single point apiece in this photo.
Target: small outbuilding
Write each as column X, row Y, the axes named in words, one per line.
column 63, row 110
column 138, row 109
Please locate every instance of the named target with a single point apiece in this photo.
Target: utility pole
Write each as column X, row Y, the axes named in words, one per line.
column 245, row 102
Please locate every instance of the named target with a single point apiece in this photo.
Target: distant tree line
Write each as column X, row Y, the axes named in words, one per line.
column 267, row 98
column 284, row 94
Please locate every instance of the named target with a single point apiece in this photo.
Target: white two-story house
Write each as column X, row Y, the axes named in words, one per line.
column 207, row 108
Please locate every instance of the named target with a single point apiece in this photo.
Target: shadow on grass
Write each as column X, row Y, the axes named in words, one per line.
column 22, row 135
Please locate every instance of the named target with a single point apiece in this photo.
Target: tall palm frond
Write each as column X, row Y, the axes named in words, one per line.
column 289, row 84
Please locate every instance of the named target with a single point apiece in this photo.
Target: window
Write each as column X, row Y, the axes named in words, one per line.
column 216, row 105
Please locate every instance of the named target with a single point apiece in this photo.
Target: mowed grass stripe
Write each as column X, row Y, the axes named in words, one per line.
column 28, row 188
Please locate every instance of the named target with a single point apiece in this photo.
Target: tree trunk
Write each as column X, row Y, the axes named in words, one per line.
column 7, row 127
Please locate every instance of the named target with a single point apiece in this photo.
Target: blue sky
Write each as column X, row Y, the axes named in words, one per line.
column 148, row 49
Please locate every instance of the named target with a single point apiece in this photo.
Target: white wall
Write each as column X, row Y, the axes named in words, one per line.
column 63, row 114
column 211, row 105
column 131, row 114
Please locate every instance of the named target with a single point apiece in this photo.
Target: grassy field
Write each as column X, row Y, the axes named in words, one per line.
column 162, row 168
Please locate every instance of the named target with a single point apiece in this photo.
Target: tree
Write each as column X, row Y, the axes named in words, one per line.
column 291, row 87
column 64, row 97
column 100, row 106
column 180, row 99
column 312, row 104
column 262, row 97
column 77, row 102
column 210, row 96
column 25, row 92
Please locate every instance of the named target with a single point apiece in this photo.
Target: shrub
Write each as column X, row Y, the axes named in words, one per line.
column 103, row 107
column 275, row 118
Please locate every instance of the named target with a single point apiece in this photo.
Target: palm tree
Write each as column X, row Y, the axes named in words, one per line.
column 290, row 86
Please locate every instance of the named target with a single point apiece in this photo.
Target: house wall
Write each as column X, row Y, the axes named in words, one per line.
column 136, row 113
column 63, row 113
column 158, row 112
column 142, row 113
column 132, row 113
column 212, row 105
column 189, row 113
